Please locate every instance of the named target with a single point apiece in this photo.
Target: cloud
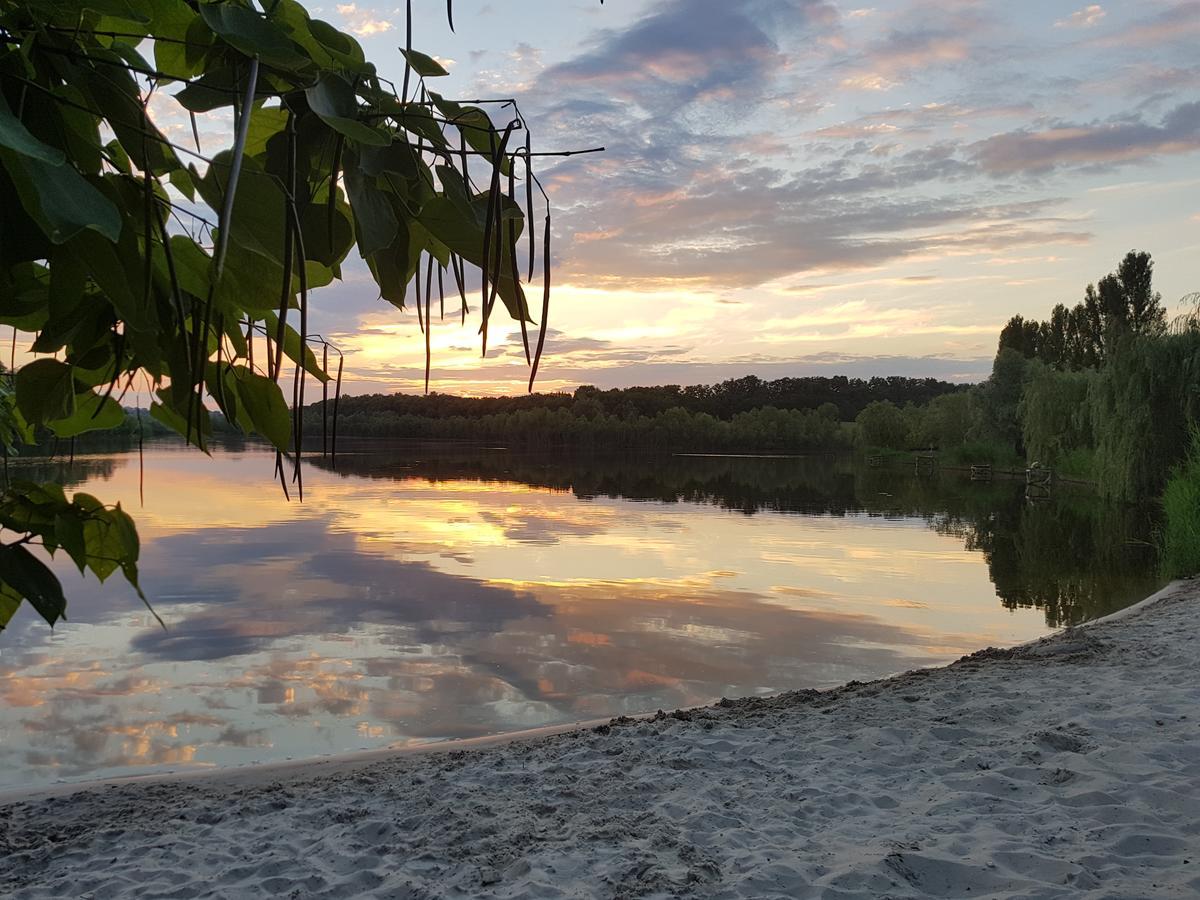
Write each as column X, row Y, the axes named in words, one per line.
column 1174, row 24
column 722, row 223
column 689, row 50
column 1096, row 144
column 1083, row 18
column 903, row 53
column 926, row 119
column 683, row 198
column 363, row 22
column 923, row 40
column 367, row 588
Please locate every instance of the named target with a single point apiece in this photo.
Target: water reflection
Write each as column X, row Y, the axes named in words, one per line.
column 1076, row 558
column 433, row 592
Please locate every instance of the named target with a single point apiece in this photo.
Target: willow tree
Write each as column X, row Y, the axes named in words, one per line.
column 129, row 260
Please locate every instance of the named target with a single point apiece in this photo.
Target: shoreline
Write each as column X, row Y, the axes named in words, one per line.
column 1064, row 765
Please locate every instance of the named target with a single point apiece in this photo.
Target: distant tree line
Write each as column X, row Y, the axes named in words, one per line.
column 785, row 415
column 723, row 401
column 766, row 429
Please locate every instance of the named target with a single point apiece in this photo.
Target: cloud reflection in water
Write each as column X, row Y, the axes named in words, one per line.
column 407, row 609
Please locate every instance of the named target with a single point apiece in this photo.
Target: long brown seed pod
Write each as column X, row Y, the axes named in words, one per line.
column 493, row 231
column 325, row 400
column 289, row 247
column 529, row 202
column 303, row 371
column 442, row 291
column 417, row 283
column 512, row 264
column 456, row 266
column 337, row 396
column 537, row 357
column 428, row 318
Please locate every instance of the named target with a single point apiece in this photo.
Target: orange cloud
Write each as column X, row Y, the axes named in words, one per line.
column 1087, row 17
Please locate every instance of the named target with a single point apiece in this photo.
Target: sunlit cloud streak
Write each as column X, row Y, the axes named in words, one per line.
column 1086, row 17
column 1104, row 143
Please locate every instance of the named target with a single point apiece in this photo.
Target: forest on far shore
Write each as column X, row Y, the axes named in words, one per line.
column 785, row 415
column 1106, row 391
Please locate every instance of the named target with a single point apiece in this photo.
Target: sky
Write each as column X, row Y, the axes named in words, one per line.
column 804, row 187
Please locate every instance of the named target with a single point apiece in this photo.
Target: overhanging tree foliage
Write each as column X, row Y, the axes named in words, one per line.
column 132, row 259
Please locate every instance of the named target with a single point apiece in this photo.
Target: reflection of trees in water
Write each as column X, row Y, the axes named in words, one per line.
column 817, row 484
column 1075, row 557
column 70, row 473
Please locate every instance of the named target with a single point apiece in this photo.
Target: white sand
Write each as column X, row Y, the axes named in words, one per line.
column 1065, row 768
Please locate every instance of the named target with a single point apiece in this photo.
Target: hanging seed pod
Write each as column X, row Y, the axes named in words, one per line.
column 537, row 357
column 428, row 319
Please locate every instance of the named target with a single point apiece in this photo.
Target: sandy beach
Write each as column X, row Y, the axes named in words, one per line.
column 1067, row 767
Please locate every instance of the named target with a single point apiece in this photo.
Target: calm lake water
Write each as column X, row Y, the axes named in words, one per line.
column 425, row 592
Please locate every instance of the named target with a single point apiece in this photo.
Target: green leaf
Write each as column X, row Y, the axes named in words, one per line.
column 265, row 123
column 114, row 277
column 121, row 9
column 218, row 381
column 181, row 180
column 264, row 405
column 32, row 579
column 193, row 266
column 15, row 136
column 319, row 245
column 91, row 414
column 166, row 412
column 339, row 45
column 189, row 38
column 464, row 235
column 110, row 539
column 45, row 391
column 118, row 157
column 375, row 221
column 252, row 34
column 291, row 347
column 24, row 303
column 258, row 206
column 394, row 267
column 59, row 199
column 328, row 47
column 212, row 90
column 116, row 95
column 10, row 602
column 423, row 65
column 477, row 129
column 68, row 530
column 333, row 100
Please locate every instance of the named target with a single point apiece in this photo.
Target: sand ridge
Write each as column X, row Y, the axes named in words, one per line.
column 1068, row 767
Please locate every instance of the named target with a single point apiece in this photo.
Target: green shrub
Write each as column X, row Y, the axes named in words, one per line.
column 882, row 424
column 1181, row 521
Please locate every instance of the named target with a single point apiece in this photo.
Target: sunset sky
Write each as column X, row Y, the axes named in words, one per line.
column 798, row 187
